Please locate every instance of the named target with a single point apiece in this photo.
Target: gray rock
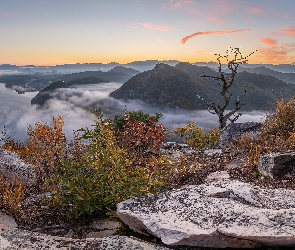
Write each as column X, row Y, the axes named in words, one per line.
column 101, row 234
column 11, row 166
column 21, row 239
column 6, row 222
column 236, row 130
column 225, row 213
column 276, row 165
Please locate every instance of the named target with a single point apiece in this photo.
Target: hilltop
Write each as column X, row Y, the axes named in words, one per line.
column 175, row 87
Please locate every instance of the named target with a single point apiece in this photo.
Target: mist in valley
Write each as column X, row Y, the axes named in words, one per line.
column 75, row 104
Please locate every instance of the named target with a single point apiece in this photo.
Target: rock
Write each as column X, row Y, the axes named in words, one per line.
column 6, row 222
column 21, row 239
column 11, row 166
column 236, row 130
column 225, row 213
column 101, row 234
column 276, row 165
column 103, row 228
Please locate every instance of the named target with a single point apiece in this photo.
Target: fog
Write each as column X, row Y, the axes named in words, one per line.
column 75, row 105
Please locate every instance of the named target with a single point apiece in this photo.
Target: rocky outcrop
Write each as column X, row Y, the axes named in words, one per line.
column 276, row 164
column 21, row 239
column 12, row 166
column 222, row 213
column 235, row 130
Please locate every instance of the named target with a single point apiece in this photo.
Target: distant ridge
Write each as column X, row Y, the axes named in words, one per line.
column 175, row 87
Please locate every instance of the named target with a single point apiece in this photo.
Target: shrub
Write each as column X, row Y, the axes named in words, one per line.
column 194, row 136
column 11, row 195
column 104, row 176
column 282, row 122
column 140, row 135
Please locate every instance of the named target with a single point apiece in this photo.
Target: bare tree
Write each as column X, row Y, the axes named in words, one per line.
column 225, row 81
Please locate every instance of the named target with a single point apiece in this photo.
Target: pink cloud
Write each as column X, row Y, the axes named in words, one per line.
column 289, row 30
column 208, row 33
column 163, row 27
column 175, row 4
column 278, row 53
column 255, row 10
column 268, row 41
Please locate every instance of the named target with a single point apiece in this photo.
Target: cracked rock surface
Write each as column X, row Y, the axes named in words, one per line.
column 224, row 213
column 21, row 239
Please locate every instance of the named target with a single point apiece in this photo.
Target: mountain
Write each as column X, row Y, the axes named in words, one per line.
column 125, row 70
column 286, row 77
column 175, row 87
column 166, row 86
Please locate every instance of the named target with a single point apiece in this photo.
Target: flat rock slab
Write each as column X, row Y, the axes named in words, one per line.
column 25, row 240
column 225, row 213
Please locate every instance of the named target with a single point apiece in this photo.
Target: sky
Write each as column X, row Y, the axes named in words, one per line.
column 44, row 33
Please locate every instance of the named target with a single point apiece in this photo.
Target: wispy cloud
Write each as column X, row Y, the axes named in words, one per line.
column 289, row 30
column 208, row 33
column 175, row 4
column 280, row 53
column 268, row 41
column 162, row 27
column 255, row 10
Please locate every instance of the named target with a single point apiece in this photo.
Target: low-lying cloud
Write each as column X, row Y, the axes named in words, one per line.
column 209, row 33
column 75, row 105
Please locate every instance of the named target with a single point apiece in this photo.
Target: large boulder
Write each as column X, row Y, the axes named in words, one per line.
column 276, row 164
column 12, row 166
column 219, row 213
column 21, row 239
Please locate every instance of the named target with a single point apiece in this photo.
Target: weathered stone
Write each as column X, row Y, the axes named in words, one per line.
column 236, row 130
column 276, row 165
column 105, row 224
column 225, row 213
column 6, row 222
column 101, row 234
column 11, row 166
column 21, row 239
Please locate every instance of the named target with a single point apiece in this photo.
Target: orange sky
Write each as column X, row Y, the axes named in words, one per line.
column 56, row 32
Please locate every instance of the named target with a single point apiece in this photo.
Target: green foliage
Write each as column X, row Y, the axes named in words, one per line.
column 194, row 136
column 103, row 177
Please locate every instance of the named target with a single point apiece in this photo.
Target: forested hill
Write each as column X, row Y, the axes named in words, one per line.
column 176, row 86
column 166, row 86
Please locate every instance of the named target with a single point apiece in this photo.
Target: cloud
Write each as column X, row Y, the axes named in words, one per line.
column 163, row 27
column 268, row 41
column 74, row 104
column 279, row 53
column 289, row 30
column 180, row 3
column 255, row 10
column 207, row 33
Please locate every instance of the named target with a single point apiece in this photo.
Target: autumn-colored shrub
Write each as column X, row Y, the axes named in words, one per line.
column 140, row 135
column 282, row 122
column 194, row 136
column 277, row 134
column 11, row 195
column 103, row 177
